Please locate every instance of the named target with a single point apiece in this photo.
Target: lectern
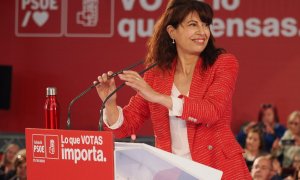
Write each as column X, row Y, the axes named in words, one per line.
column 73, row 154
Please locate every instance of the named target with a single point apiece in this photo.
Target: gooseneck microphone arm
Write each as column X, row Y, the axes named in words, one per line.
column 112, row 93
column 91, row 87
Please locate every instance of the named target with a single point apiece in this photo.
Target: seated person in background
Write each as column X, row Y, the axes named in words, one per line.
column 253, row 146
column 6, row 163
column 277, row 169
column 268, row 122
column 293, row 170
column 20, row 167
column 262, row 168
column 296, row 162
column 289, row 145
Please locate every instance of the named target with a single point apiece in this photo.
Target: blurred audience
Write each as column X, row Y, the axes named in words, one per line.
column 253, row 146
column 289, row 145
column 262, row 168
column 268, row 123
column 6, row 163
column 293, row 171
column 276, row 168
column 20, row 167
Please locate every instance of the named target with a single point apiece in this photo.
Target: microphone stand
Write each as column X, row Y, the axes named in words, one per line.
column 91, row 87
column 112, row 93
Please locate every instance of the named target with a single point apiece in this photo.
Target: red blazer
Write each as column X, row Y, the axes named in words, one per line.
column 207, row 112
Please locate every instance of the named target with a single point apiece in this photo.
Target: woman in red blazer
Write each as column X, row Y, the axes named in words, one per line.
column 188, row 96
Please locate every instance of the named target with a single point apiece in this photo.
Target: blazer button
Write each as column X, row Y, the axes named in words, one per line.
column 207, row 125
column 209, row 147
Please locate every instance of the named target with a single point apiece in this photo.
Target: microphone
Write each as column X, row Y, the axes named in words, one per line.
column 91, row 87
column 112, row 93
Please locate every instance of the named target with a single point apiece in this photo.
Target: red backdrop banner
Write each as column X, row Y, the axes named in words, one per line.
column 67, row 44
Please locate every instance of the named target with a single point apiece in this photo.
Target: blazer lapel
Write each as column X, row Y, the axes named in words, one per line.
column 163, row 84
column 196, row 91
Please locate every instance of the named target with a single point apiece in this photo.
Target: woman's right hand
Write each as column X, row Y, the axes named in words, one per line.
column 276, row 144
column 105, row 87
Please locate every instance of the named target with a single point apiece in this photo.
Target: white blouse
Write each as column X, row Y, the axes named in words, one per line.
column 178, row 130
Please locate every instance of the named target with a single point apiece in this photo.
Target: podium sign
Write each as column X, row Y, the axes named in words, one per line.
column 69, row 154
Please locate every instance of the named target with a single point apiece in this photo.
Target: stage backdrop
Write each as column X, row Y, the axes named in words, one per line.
column 68, row 43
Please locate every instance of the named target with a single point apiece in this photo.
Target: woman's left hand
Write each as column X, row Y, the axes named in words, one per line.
column 135, row 81
column 269, row 129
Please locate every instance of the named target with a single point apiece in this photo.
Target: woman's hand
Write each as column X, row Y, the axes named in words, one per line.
column 276, row 144
column 269, row 129
column 105, row 87
column 297, row 140
column 135, row 81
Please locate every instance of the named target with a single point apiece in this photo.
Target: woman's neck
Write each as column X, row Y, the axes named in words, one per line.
column 186, row 64
column 253, row 152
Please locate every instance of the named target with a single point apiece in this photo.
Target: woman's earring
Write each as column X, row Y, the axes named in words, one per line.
column 173, row 41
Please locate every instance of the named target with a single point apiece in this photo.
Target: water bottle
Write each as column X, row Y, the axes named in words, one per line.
column 52, row 109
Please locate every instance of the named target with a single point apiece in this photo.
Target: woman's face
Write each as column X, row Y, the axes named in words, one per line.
column 294, row 126
column 252, row 141
column 191, row 36
column 11, row 152
column 268, row 117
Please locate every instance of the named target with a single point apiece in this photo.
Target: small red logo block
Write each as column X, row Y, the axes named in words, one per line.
column 52, row 147
column 90, row 18
column 39, row 18
column 38, row 143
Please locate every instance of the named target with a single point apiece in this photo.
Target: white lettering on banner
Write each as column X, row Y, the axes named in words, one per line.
column 96, row 140
column 64, row 140
column 73, row 140
column 127, row 28
column 271, row 27
column 37, row 142
column 40, row 4
column 289, row 27
column 39, row 148
column 255, row 27
column 85, row 154
column 39, row 160
column 155, row 6
column 129, row 4
column 82, row 154
column 38, row 10
column 217, row 4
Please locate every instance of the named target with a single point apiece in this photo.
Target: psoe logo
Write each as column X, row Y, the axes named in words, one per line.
column 45, row 146
column 70, row 18
column 36, row 18
column 52, row 145
column 88, row 16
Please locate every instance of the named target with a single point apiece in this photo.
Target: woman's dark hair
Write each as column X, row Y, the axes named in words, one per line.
column 257, row 130
column 265, row 107
column 161, row 50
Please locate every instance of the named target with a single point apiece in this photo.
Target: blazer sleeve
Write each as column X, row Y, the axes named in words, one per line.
column 218, row 97
column 135, row 113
